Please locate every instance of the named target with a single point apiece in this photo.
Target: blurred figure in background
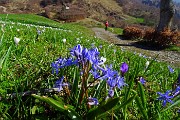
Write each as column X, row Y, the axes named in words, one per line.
column 106, row 25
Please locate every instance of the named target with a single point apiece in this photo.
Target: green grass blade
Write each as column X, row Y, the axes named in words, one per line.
column 119, row 106
column 75, row 82
column 141, row 109
column 99, row 88
column 142, row 95
column 109, row 105
column 127, row 102
column 150, row 64
column 4, row 58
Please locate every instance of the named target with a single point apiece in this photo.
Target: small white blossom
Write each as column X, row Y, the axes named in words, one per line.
column 64, row 40
column 147, row 64
column 102, row 60
column 16, row 40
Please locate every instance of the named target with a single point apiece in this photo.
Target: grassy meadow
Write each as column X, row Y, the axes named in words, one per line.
column 29, row 44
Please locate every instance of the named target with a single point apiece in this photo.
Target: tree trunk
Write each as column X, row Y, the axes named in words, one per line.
column 166, row 14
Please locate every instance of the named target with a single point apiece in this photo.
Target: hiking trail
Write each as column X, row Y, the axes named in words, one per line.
column 171, row 57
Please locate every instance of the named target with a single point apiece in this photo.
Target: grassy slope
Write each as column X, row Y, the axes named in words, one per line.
column 29, row 19
column 40, row 20
column 29, row 65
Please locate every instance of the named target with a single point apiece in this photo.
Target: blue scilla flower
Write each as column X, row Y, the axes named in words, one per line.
column 94, row 51
column 115, row 81
column 142, row 80
column 81, row 54
column 178, row 111
column 70, row 61
column 171, row 70
column 77, row 51
column 110, row 93
column 55, row 67
column 111, row 82
column 120, row 82
column 39, row 32
column 165, row 97
column 100, row 46
column 176, row 92
column 59, row 84
column 93, row 101
column 108, row 72
column 93, row 56
column 124, row 68
column 85, row 53
column 61, row 63
column 95, row 73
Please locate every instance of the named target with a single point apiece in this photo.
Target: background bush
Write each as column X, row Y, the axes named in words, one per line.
column 132, row 32
column 163, row 39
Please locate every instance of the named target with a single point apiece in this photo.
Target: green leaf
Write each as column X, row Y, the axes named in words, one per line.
column 67, row 109
column 33, row 110
column 57, row 105
column 58, row 99
column 142, row 94
column 141, row 109
column 101, row 109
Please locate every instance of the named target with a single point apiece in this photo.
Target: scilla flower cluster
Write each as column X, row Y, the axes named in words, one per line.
column 170, row 94
column 89, row 62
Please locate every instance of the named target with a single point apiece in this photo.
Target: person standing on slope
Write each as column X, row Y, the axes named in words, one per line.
column 106, row 25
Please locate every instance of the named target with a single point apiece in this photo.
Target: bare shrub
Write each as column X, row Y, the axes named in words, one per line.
column 132, row 32
column 164, row 38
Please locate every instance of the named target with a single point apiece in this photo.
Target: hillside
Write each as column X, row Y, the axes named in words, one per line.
column 70, row 10
column 120, row 13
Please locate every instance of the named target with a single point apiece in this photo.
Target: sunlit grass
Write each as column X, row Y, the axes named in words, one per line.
column 29, row 19
column 135, row 20
column 26, row 66
column 173, row 48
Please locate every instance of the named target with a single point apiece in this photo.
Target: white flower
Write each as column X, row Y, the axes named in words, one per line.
column 102, row 61
column 147, row 64
column 64, row 40
column 16, row 40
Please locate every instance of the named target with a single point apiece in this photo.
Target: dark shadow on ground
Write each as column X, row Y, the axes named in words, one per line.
column 122, row 37
column 147, row 46
column 140, row 44
column 137, row 45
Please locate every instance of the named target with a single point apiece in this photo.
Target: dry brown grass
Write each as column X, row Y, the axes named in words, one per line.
column 110, row 5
